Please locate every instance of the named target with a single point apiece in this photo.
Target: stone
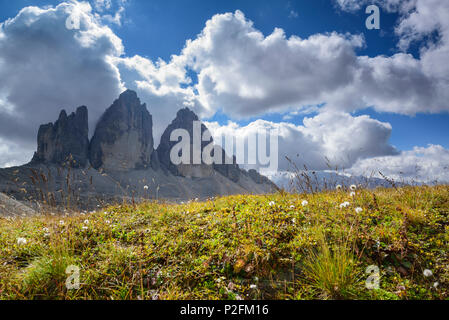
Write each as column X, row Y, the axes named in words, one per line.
column 123, row 138
column 66, row 141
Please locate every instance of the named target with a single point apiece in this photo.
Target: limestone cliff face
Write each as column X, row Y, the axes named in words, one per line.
column 123, row 138
column 65, row 141
column 185, row 119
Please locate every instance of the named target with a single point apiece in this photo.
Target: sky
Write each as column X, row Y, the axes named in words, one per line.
column 368, row 100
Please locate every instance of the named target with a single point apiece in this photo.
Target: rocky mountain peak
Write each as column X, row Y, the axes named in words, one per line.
column 66, row 139
column 123, row 138
column 185, row 119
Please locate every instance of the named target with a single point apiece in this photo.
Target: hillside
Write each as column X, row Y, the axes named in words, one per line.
column 279, row 246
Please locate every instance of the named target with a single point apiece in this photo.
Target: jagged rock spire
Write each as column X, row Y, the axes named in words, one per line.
column 66, row 141
column 123, row 138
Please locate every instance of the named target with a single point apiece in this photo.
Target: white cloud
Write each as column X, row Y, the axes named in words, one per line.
column 13, row 154
column 101, row 5
column 245, row 73
column 45, row 67
column 420, row 164
column 337, row 136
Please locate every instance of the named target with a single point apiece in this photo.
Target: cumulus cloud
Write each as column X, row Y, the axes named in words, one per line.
column 334, row 138
column 243, row 72
column 14, row 154
column 420, row 164
column 45, row 67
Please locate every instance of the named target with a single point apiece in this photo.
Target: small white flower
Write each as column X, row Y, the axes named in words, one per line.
column 196, row 199
column 353, row 187
column 84, row 228
column 61, row 223
column 145, row 187
column 198, row 215
column 359, row 210
column 253, row 286
column 46, row 230
column 338, row 187
column 272, row 203
column 86, row 221
column 304, row 203
column 292, row 207
column 21, row 241
column 344, row 205
column 352, row 194
column 427, row 273
column 436, row 284
column 294, row 220
column 108, row 222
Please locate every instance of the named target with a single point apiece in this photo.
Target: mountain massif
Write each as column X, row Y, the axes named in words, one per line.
column 120, row 161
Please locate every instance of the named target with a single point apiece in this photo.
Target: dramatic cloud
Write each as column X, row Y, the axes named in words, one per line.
column 243, row 72
column 421, row 165
column 45, row 67
column 339, row 137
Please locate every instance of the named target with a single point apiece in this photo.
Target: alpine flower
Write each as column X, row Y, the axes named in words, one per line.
column 427, row 273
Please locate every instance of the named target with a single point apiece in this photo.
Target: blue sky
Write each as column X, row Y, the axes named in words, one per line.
column 159, row 29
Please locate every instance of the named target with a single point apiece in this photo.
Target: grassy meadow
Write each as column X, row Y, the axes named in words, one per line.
column 371, row 244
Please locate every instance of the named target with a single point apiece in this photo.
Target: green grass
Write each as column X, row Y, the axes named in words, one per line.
column 238, row 247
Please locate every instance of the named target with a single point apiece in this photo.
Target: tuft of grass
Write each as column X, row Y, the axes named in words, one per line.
column 332, row 270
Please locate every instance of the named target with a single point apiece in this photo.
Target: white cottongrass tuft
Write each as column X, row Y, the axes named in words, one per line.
column 145, row 187
column 304, row 203
column 21, row 241
column 253, row 286
column 46, row 230
column 436, row 284
column 86, row 221
column 339, row 187
column 292, row 207
column 353, row 187
column 61, row 223
column 358, row 210
column 427, row 273
column 271, row 203
column 344, row 205
column 352, row 194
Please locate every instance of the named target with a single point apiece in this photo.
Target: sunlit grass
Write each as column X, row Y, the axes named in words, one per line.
column 280, row 246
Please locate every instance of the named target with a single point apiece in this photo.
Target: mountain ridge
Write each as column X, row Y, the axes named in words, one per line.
column 120, row 161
